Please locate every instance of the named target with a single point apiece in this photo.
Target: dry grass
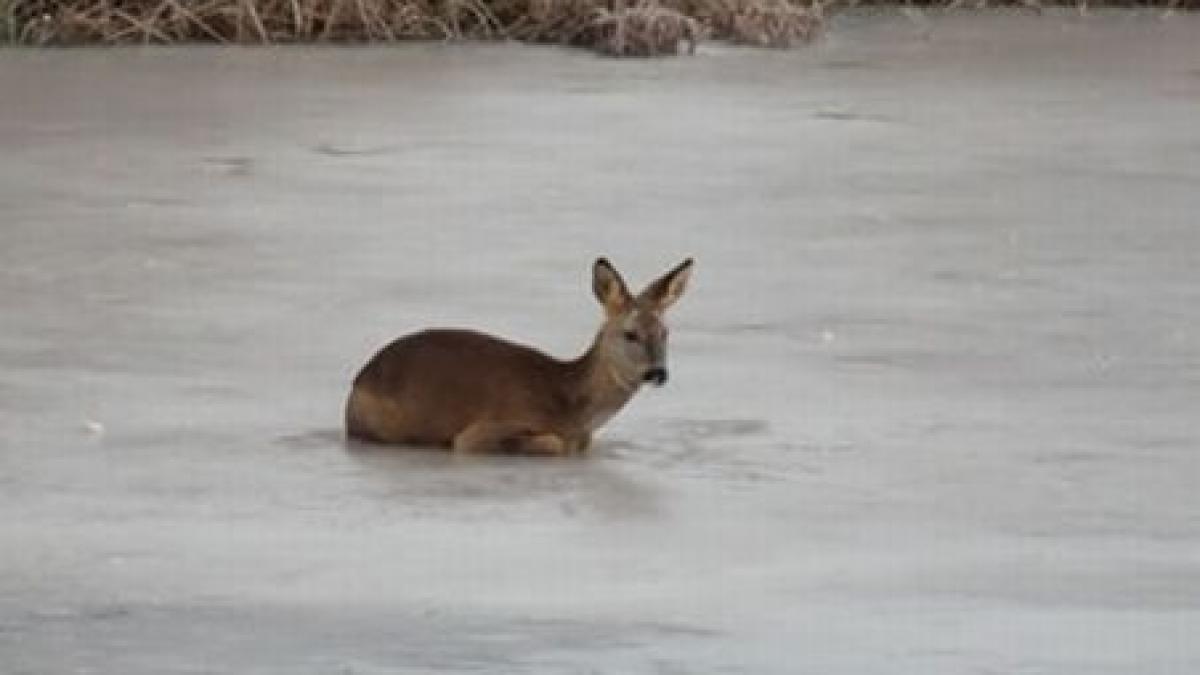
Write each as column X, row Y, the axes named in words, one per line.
column 647, row 28
column 1165, row 5
column 614, row 27
column 234, row 21
column 8, row 22
column 761, row 23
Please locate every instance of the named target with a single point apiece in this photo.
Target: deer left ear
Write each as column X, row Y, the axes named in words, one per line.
column 666, row 289
column 610, row 288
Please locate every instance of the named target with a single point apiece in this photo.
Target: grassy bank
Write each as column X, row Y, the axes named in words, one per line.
column 616, row 27
column 8, row 27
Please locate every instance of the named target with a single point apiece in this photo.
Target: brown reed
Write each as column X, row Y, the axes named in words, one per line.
column 612, row 27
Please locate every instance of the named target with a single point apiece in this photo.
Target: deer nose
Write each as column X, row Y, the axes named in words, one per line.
column 656, row 375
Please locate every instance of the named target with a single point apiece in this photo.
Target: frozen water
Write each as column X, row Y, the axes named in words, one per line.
column 934, row 394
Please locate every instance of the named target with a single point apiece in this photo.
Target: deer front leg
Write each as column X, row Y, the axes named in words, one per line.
column 581, row 444
column 507, row 438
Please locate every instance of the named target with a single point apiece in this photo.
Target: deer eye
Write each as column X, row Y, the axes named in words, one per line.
column 631, row 336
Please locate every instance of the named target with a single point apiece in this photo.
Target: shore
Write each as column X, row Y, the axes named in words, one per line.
column 610, row 27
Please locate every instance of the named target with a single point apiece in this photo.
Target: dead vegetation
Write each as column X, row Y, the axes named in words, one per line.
column 761, row 23
column 646, row 29
column 613, row 27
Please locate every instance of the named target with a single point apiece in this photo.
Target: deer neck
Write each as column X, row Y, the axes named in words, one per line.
column 601, row 389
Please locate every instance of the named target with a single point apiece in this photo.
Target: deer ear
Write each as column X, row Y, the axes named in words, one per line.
column 610, row 288
column 666, row 290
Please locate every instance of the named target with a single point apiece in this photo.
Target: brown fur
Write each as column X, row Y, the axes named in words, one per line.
column 472, row 392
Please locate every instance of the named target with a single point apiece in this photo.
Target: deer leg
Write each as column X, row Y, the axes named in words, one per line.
column 507, row 438
column 578, row 444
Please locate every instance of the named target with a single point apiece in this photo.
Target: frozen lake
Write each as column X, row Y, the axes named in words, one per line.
column 935, row 387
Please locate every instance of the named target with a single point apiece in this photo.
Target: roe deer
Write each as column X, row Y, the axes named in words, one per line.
column 472, row 392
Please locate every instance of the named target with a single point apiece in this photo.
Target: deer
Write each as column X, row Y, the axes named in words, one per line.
column 471, row 392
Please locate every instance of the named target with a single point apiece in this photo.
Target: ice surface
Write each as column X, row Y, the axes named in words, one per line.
column 934, row 394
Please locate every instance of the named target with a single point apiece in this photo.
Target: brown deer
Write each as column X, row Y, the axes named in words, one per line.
column 472, row 392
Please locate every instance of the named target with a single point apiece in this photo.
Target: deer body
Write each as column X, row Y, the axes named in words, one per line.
column 476, row 393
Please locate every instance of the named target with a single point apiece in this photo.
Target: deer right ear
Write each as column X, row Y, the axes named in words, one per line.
column 610, row 288
column 666, row 290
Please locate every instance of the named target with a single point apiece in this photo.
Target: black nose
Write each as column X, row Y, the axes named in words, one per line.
column 656, row 375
